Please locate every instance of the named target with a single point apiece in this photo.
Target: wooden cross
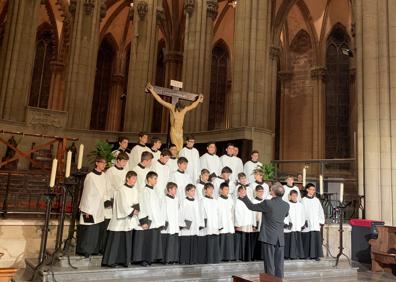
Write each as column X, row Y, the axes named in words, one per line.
column 175, row 93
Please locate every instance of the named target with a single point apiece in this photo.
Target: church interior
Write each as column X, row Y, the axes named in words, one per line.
column 309, row 84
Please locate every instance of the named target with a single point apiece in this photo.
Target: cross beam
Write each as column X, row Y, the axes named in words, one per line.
column 176, row 95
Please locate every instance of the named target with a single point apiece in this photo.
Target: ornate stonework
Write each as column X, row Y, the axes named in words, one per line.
column 189, row 6
column 72, row 6
column 274, row 52
column 160, row 16
column 285, row 75
column 142, row 9
column 43, row 119
column 89, row 5
column 318, row 72
column 212, row 9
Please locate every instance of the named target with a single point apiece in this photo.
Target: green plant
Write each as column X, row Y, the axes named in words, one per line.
column 104, row 150
column 268, row 170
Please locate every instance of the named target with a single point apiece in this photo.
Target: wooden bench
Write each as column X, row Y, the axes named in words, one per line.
column 383, row 250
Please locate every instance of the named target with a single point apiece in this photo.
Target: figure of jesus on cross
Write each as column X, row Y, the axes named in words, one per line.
column 176, row 109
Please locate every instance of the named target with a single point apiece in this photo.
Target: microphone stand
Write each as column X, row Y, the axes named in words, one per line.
column 340, row 209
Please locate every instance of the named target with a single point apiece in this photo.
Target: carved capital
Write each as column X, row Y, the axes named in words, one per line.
column 160, row 16
column 174, row 56
column 142, row 9
column 89, row 5
column 318, row 73
column 212, row 9
column 274, row 52
column 285, row 75
column 73, row 6
column 189, row 6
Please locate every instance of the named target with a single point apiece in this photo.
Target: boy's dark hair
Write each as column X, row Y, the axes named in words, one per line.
column 182, row 160
column 241, row 187
column 155, row 139
column 170, row 185
column 204, row 170
column 172, row 145
column 141, row 134
column 230, row 144
column 190, row 187
column 224, row 184
column 100, row 158
column 210, row 143
column 241, row 174
column 151, row 174
column 122, row 156
column 165, row 153
column 259, row 188
column 190, row 137
column 293, row 192
column 146, row 156
column 130, row 174
column 254, row 152
column 309, row 185
column 208, row 185
column 226, row 169
column 122, row 138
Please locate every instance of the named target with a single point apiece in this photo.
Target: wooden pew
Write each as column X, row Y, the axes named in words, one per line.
column 383, row 250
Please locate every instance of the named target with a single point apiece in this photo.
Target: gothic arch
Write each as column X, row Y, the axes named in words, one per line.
column 218, row 85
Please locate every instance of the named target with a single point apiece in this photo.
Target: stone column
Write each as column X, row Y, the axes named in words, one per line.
column 284, row 77
column 197, row 60
column 142, row 66
column 375, row 45
column 250, row 101
column 115, row 103
column 56, row 97
column 272, row 79
column 80, row 78
column 17, row 58
column 318, row 75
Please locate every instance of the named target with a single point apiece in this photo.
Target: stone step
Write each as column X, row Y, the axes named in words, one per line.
column 295, row 270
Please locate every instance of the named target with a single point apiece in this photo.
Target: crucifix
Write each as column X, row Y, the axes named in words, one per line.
column 176, row 109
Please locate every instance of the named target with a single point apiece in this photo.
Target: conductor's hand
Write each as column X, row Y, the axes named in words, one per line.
column 149, row 87
column 200, row 98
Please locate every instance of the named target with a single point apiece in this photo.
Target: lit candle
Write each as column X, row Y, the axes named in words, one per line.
column 321, row 184
column 80, row 156
column 68, row 164
column 304, row 176
column 341, row 192
column 53, row 172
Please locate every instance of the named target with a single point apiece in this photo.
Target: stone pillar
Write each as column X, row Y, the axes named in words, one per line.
column 17, row 58
column 80, row 78
column 113, row 119
column 250, row 101
column 197, row 60
column 284, row 77
column 318, row 75
column 56, row 97
column 142, row 66
column 375, row 45
column 273, row 80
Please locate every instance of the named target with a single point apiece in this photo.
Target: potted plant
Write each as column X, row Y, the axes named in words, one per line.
column 104, row 150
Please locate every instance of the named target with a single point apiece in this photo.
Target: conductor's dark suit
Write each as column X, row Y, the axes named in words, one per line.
column 271, row 232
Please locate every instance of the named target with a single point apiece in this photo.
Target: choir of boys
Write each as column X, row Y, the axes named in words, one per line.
column 157, row 212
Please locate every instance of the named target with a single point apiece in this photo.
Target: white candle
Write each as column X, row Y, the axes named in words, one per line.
column 304, row 176
column 68, row 164
column 321, row 184
column 80, row 156
column 341, row 192
column 53, row 172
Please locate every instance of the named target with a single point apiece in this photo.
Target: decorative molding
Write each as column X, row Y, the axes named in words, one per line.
column 274, row 52
column 89, row 6
column 189, row 7
column 142, row 9
column 160, row 16
column 174, row 56
column 285, row 75
column 212, row 9
column 44, row 119
column 103, row 10
column 318, row 73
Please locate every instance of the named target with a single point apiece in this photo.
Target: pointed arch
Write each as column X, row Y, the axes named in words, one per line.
column 218, row 85
column 103, row 81
column 338, row 102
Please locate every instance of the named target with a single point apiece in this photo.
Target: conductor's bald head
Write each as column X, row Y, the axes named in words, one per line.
column 277, row 189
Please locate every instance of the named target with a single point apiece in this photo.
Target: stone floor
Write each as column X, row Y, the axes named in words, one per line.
column 296, row 270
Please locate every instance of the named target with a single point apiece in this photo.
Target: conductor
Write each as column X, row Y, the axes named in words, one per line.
column 274, row 212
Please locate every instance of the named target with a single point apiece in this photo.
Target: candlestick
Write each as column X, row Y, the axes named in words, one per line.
column 304, row 176
column 341, row 192
column 53, row 172
column 80, row 156
column 321, row 184
column 68, row 164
